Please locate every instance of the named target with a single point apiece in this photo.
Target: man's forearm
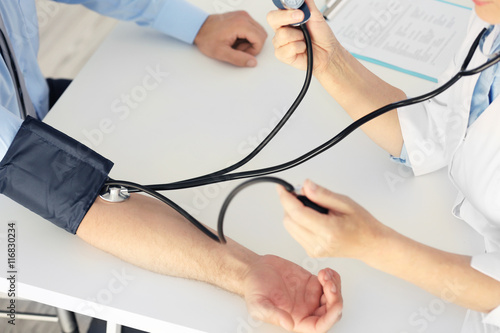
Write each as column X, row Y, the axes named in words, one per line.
column 151, row 235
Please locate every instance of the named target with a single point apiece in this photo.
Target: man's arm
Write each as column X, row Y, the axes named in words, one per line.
column 59, row 179
column 176, row 18
column 149, row 234
column 233, row 37
column 152, row 235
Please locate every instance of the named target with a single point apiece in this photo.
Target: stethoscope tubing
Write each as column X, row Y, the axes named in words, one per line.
column 199, row 180
column 224, row 175
column 216, row 178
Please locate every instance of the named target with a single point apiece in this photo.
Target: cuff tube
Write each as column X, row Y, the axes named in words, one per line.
column 52, row 174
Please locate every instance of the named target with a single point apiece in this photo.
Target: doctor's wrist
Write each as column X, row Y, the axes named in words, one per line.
column 374, row 250
column 336, row 71
column 386, row 250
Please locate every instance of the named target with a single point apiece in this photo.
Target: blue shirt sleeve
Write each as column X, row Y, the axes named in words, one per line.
column 9, row 126
column 403, row 157
column 176, row 18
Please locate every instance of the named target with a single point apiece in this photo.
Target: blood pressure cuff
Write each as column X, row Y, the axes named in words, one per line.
column 52, row 174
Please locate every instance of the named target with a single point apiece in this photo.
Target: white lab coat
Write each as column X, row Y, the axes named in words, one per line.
column 436, row 135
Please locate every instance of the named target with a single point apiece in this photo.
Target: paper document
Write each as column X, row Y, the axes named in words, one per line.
column 418, row 37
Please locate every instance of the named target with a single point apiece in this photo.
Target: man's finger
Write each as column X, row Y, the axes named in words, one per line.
column 236, row 57
column 251, row 31
column 245, row 46
column 263, row 309
column 259, row 31
column 330, row 280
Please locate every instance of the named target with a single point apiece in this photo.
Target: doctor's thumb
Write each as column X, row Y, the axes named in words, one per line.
column 314, row 9
column 326, row 198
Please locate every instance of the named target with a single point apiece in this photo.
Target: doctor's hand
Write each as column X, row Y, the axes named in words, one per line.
column 282, row 293
column 289, row 42
column 347, row 231
column 232, row 37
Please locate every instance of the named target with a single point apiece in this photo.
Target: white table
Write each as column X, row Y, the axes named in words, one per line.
column 196, row 119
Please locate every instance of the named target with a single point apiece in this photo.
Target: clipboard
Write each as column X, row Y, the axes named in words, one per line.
column 416, row 37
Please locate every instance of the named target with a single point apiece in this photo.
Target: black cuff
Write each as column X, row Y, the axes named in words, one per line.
column 52, row 174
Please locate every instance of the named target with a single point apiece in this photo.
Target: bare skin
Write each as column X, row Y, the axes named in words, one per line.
column 149, row 234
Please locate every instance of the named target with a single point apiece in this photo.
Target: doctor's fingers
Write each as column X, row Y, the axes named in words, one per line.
column 281, row 18
column 324, row 197
column 317, row 233
column 295, row 209
column 287, row 35
column 305, row 237
column 292, row 54
column 315, row 13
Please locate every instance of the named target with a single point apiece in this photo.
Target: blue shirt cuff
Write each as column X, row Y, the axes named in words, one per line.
column 180, row 20
column 403, row 157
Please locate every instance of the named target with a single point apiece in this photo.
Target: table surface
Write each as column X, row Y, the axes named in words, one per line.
column 162, row 112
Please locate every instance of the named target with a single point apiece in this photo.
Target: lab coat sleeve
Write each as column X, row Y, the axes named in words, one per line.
column 432, row 129
column 423, row 127
column 489, row 264
column 176, row 18
column 52, row 174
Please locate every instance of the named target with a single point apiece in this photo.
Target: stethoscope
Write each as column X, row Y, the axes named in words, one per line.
column 119, row 190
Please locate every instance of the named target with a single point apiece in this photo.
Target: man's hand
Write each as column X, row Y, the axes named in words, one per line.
column 276, row 290
column 232, row 37
column 280, row 292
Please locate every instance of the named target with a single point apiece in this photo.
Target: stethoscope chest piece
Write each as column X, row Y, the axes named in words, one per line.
column 294, row 4
column 115, row 194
